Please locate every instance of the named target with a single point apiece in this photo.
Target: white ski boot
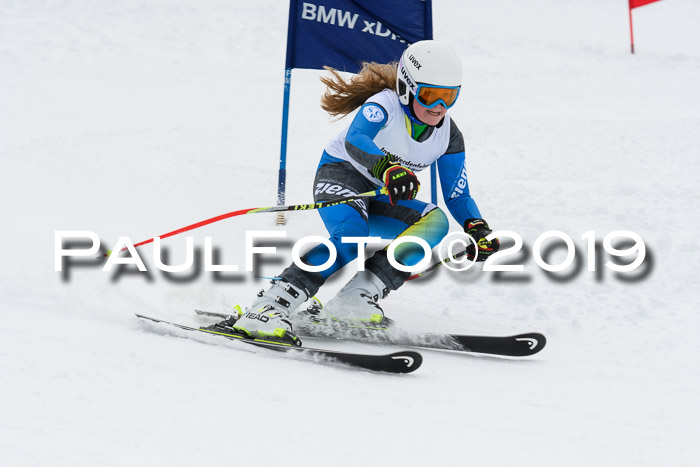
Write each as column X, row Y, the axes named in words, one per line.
column 268, row 316
column 356, row 303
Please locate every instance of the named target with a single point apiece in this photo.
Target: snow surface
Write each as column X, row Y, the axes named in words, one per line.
column 137, row 117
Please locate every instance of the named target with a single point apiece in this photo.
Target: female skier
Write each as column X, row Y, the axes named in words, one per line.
column 401, row 128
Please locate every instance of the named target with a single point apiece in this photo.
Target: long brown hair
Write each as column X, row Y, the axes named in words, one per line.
column 342, row 97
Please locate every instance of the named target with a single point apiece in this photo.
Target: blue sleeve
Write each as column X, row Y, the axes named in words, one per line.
column 455, row 187
column 359, row 141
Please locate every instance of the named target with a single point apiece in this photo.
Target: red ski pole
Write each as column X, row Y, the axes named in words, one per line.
column 228, row 215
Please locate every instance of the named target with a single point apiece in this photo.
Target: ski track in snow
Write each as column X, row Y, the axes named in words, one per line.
column 135, row 118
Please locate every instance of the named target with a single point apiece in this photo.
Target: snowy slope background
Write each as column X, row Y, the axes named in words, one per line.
column 134, row 118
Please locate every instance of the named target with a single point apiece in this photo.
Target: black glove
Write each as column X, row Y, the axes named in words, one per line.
column 401, row 182
column 479, row 230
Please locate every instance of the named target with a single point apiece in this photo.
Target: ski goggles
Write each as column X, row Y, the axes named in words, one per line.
column 429, row 96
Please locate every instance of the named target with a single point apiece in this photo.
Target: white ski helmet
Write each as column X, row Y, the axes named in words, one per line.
column 429, row 63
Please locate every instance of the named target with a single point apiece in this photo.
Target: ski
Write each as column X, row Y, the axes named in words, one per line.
column 519, row 345
column 397, row 362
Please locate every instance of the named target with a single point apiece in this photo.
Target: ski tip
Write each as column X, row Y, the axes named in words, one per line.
column 530, row 343
column 406, row 362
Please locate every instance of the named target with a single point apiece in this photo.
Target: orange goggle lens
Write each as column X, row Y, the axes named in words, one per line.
column 430, row 96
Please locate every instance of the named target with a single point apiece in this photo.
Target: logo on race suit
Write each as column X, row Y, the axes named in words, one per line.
column 339, row 191
column 373, row 113
column 333, row 189
column 416, row 167
column 461, row 185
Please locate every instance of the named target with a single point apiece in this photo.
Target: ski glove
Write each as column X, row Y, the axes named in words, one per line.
column 401, row 182
column 479, row 230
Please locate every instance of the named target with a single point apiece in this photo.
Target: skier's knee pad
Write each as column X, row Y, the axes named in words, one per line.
column 432, row 227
